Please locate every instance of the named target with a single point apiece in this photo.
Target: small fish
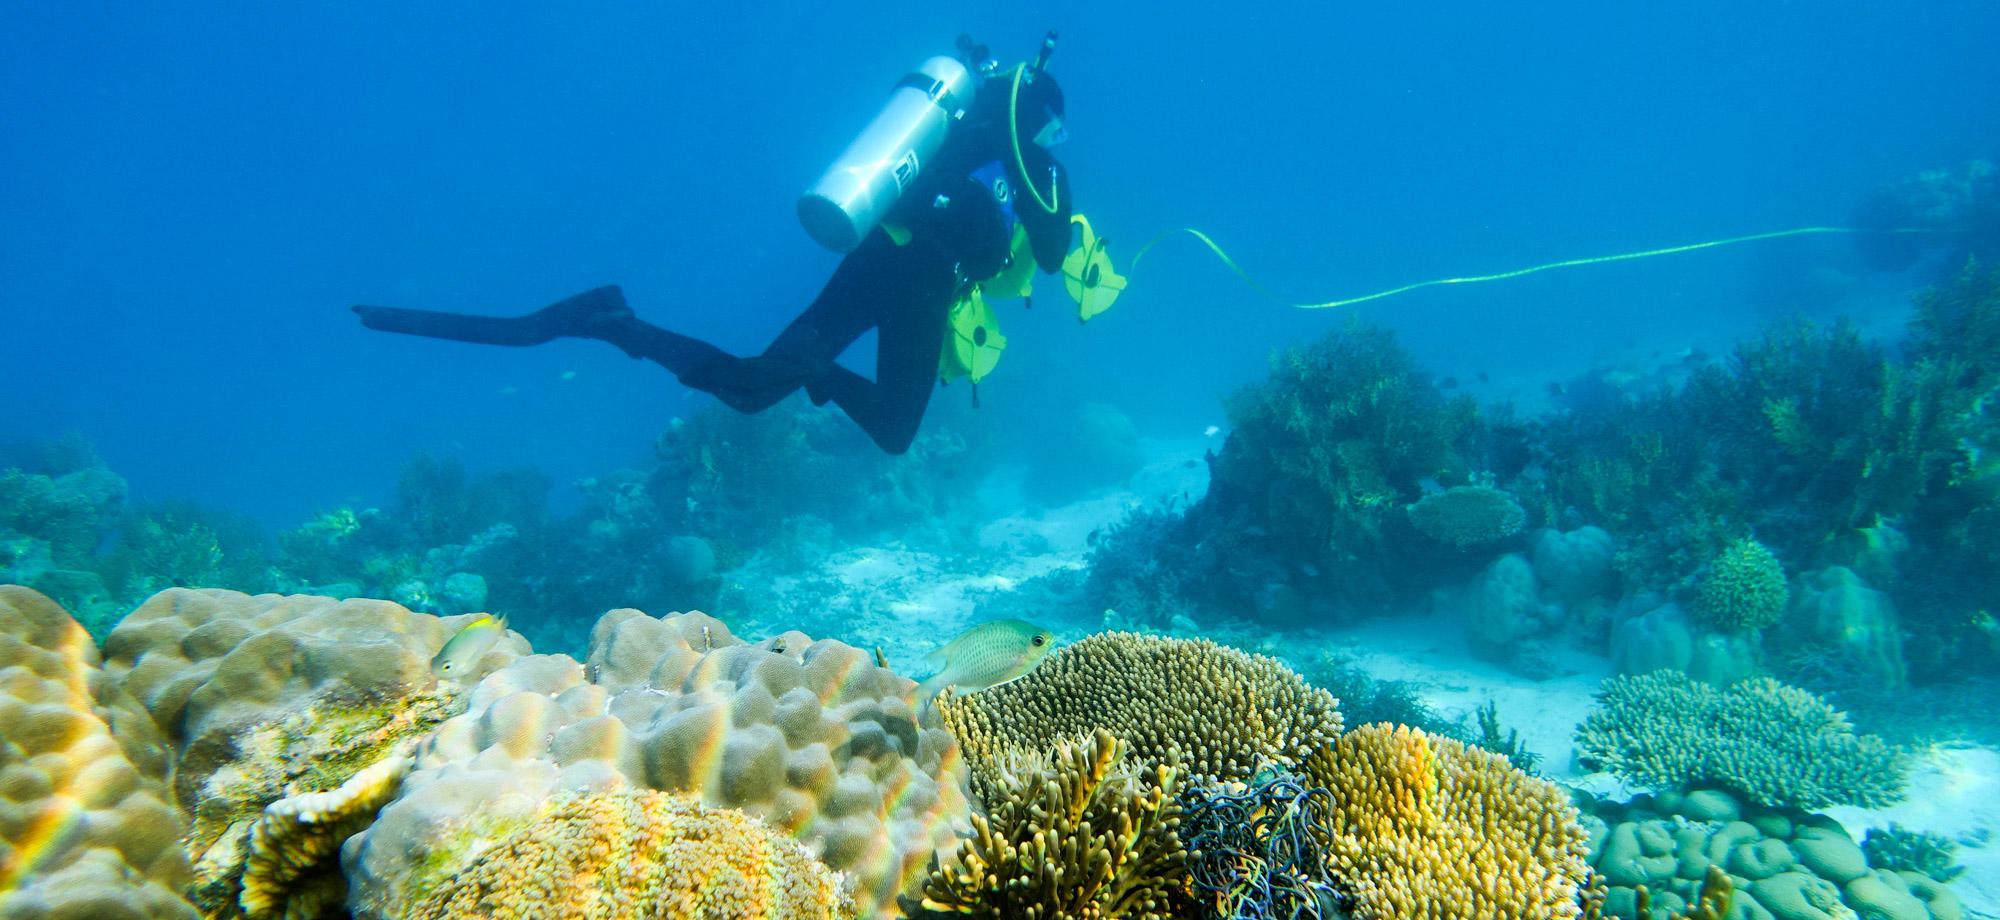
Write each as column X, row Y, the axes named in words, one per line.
column 456, row 660
column 1211, row 431
column 986, row 655
column 567, row 375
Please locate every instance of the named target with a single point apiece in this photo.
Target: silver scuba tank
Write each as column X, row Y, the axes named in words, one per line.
column 861, row 186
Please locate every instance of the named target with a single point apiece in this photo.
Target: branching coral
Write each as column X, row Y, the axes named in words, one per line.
column 1223, row 712
column 1074, row 835
column 636, row 855
column 1467, row 515
column 1427, row 827
column 1899, row 848
column 1744, row 590
column 1775, row 744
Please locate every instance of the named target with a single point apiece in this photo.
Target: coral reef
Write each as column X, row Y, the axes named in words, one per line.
column 87, row 827
column 633, row 854
column 809, row 736
column 1900, row 849
column 1465, row 516
column 1428, row 827
column 291, row 867
column 1774, row 744
column 1744, row 589
column 1216, row 712
column 1783, row 863
column 1078, row 833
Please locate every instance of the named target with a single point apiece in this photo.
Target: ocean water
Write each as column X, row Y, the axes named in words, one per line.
column 194, row 195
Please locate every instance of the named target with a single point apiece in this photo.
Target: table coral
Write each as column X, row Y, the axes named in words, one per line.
column 1077, row 834
column 633, row 854
column 1466, row 516
column 1775, row 744
column 1221, row 713
column 86, row 828
column 1424, row 826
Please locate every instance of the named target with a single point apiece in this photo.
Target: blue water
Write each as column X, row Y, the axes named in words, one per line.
column 194, row 193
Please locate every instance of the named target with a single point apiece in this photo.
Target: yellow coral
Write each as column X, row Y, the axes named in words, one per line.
column 1075, row 835
column 293, row 865
column 1424, row 826
column 1223, row 712
column 640, row 854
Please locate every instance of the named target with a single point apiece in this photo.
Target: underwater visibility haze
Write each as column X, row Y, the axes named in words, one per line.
column 1003, row 460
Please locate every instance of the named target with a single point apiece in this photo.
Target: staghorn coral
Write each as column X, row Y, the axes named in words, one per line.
column 86, row 824
column 1465, row 516
column 1744, row 589
column 1077, row 834
column 632, row 854
column 812, row 737
column 1775, row 744
column 1222, row 711
column 1427, row 827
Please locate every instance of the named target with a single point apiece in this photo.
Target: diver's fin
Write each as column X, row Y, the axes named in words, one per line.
column 568, row 317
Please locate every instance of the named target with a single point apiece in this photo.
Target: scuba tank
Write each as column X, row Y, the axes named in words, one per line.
column 861, row 186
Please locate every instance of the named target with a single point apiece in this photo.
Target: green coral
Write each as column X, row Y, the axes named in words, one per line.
column 1771, row 743
column 1467, row 515
column 1745, row 589
column 1900, row 849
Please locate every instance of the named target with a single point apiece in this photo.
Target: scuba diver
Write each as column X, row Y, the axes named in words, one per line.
column 950, row 196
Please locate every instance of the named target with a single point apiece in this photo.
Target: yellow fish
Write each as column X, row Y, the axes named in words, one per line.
column 986, row 655
column 456, row 660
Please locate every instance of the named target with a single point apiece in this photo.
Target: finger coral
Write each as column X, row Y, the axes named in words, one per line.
column 86, row 828
column 1774, row 744
column 636, row 855
column 1744, row 589
column 1467, row 515
column 1077, row 834
column 1219, row 712
column 1424, row 826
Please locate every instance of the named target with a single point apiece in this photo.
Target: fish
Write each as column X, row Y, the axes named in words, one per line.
column 464, row 649
column 986, row 655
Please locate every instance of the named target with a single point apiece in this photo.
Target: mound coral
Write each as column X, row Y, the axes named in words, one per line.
column 86, row 828
column 1219, row 712
column 1427, row 827
column 1466, row 516
column 633, row 854
column 1774, row 744
column 1669, row 850
column 1744, row 589
column 1076, row 834
column 809, row 736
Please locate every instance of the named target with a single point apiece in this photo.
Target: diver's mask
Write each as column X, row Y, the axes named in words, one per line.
column 1053, row 132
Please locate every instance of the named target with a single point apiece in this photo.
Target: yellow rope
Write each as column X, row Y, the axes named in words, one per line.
column 1516, row 273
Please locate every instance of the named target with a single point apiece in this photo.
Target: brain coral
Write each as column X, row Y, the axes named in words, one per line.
column 809, row 736
column 86, row 828
column 1423, row 826
column 1467, row 515
column 1774, row 744
column 1744, row 590
column 634, row 854
column 1218, row 712
column 1077, row 833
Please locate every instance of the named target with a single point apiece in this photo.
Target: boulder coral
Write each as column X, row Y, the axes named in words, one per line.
column 1774, row 744
column 1218, row 712
column 1424, row 826
column 87, row 825
column 810, row 737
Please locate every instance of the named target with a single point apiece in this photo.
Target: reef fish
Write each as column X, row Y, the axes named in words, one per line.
column 463, row 650
column 986, row 655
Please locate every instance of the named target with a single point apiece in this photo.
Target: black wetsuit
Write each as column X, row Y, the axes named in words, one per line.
column 959, row 233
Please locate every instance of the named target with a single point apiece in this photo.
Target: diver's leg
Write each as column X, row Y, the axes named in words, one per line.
column 910, row 334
